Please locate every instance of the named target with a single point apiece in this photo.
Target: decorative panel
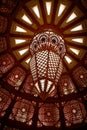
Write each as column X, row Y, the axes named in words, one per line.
column 80, row 76
column 7, row 6
column 3, row 45
column 54, row 60
column 6, row 63
column 47, row 49
column 66, row 85
column 3, row 24
column 5, row 100
column 41, row 58
column 23, row 111
column 48, row 115
column 28, row 86
column 16, row 77
column 27, row 19
column 74, row 112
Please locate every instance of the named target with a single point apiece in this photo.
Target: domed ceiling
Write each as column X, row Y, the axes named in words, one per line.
column 20, row 106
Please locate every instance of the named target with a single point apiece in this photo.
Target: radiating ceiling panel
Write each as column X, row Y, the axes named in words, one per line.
column 72, row 16
column 20, row 53
column 77, row 40
column 70, row 61
column 25, row 18
column 35, row 9
column 39, row 16
column 19, row 29
column 62, row 8
column 79, row 27
column 31, row 17
column 48, row 9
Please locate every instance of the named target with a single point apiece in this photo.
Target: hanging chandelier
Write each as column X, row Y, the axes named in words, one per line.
column 46, row 65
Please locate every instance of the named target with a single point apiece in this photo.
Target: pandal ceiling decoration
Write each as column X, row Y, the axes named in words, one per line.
column 32, row 38
column 46, row 66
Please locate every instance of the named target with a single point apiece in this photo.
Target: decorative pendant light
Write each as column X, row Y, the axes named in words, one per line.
column 46, row 66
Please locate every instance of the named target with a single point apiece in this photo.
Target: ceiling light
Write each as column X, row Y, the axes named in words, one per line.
column 28, row 60
column 19, row 29
column 72, row 16
column 75, row 51
column 26, row 19
column 48, row 7
column 80, row 40
column 68, row 59
column 61, row 9
column 19, row 41
column 23, row 51
column 77, row 28
column 36, row 11
column 46, row 62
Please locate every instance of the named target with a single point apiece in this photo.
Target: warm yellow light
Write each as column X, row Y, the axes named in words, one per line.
column 23, row 51
column 48, row 85
column 36, row 11
column 72, row 16
column 42, row 82
column 80, row 40
column 75, row 51
column 19, row 29
column 19, row 41
column 61, row 9
column 48, row 7
column 68, row 59
column 26, row 19
column 37, row 86
column 28, row 60
column 77, row 28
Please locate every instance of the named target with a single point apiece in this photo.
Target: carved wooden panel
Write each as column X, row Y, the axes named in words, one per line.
column 3, row 45
column 66, row 85
column 5, row 100
column 6, row 63
column 28, row 86
column 16, row 77
column 74, row 112
column 80, row 76
column 3, row 24
column 48, row 115
column 23, row 111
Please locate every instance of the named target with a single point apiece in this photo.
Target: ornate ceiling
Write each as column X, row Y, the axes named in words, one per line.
column 20, row 106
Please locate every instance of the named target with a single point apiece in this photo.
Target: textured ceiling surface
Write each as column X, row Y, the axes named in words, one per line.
column 20, row 106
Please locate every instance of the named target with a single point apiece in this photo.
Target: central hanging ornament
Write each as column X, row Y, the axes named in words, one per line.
column 46, row 65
